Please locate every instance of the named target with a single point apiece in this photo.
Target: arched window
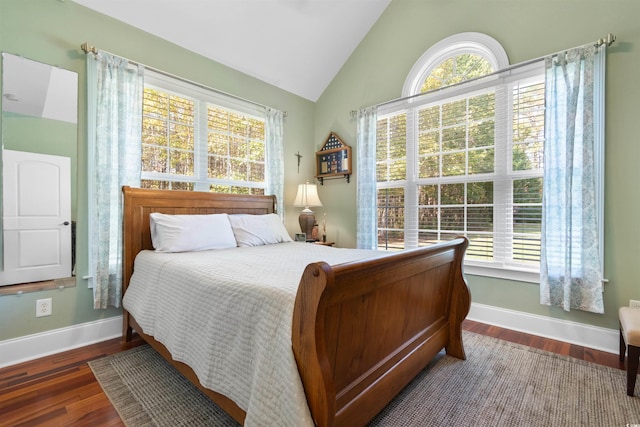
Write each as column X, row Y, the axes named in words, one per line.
column 456, row 59
column 460, row 154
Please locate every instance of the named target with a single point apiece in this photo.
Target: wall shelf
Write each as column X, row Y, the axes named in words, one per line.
column 333, row 161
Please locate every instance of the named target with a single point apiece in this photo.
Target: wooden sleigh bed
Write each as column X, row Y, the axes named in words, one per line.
column 361, row 330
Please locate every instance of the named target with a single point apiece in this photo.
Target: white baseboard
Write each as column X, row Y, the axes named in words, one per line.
column 562, row 330
column 31, row 347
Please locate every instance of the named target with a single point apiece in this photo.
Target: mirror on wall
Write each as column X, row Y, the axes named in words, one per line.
column 39, row 163
column 40, row 90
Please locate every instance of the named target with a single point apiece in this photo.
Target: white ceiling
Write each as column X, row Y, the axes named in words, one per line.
column 296, row 45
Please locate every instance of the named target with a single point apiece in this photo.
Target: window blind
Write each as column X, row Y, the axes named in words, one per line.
column 195, row 139
column 466, row 160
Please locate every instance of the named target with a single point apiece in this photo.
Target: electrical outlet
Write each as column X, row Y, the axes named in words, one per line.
column 634, row 303
column 43, row 307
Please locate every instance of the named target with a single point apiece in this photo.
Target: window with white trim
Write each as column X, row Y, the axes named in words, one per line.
column 196, row 139
column 465, row 158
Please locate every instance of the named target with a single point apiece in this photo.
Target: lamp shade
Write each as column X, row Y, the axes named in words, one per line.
column 307, row 196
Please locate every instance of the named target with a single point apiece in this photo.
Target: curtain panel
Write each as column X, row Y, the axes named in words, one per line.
column 571, row 274
column 114, row 91
column 274, row 127
column 367, row 226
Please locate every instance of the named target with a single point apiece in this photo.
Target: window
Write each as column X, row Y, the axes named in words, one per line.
column 193, row 139
column 185, row 132
column 465, row 158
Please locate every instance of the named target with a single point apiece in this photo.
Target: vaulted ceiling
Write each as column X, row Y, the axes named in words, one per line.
column 296, row 45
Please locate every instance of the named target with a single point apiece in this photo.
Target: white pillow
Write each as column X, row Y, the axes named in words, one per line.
column 257, row 230
column 183, row 233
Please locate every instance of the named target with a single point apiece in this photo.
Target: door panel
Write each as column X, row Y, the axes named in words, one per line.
column 37, row 217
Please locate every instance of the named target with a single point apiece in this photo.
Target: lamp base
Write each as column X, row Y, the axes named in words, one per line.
column 306, row 220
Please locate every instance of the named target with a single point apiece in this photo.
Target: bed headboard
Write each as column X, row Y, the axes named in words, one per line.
column 140, row 202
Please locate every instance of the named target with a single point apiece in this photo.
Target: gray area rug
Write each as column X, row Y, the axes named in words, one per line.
column 500, row 384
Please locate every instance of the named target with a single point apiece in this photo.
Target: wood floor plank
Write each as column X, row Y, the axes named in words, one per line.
column 62, row 390
column 94, row 410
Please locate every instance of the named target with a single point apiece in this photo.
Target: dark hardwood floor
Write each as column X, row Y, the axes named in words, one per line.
column 60, row 390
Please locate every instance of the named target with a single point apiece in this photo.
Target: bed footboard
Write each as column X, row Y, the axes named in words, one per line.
column 363, row 330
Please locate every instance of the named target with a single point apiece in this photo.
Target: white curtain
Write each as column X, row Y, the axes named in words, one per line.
column 367, row 227
column 570, row 265
column 275, row 156
column 114, row 98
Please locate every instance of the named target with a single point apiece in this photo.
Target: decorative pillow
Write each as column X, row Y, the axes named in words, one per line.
column 257, row 230
column 184, row 233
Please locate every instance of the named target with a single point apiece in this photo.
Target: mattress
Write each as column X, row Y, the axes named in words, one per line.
column 228, row 315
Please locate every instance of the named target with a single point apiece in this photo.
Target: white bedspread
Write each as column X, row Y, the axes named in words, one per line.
column 228, row 314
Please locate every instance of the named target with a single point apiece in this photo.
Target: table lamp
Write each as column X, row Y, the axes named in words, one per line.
column 307, row 197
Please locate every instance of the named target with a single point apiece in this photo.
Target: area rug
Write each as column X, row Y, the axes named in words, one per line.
column 500, row 384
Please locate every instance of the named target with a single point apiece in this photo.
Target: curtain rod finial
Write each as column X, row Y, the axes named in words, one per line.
column 608, row 41
column 86, row 47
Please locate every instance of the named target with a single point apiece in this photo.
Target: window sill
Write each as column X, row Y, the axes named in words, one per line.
column 19, row 289
column 528, row 276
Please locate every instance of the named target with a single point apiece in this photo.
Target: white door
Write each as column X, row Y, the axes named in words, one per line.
column 36, row 206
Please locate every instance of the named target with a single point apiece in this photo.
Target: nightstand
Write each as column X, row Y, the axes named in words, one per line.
column 324, row 243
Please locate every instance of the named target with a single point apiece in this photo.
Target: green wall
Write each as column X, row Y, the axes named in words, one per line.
column 51, row 31
column 376, row 72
